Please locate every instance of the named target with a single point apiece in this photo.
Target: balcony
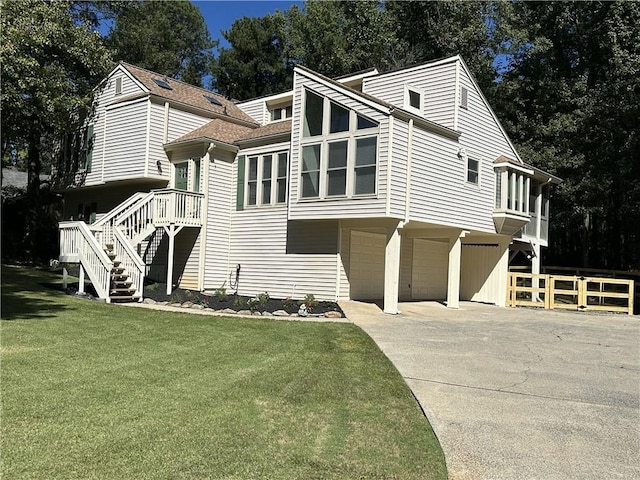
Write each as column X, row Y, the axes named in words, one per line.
column 511, row 212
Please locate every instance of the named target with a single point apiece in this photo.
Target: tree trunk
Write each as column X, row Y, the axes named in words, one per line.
column 33, row 194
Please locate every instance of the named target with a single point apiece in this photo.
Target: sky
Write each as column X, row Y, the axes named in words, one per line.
column 219, row 15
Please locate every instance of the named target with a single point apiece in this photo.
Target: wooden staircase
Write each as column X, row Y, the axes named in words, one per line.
column 121, row 289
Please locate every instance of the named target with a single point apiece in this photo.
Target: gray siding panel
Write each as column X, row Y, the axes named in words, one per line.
column 219, row 204
column 400, row 138
column 156, row 140
column 125, row 141
column 436, row 81
column 255, row 109
column 181, row 123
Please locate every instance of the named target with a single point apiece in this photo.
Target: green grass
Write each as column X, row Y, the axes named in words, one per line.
column 91, row 390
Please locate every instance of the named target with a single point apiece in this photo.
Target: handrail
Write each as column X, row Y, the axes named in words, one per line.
column 129, row 259
column 135, row 220
column 93, row 258
column 121, row 208
column 177, row 207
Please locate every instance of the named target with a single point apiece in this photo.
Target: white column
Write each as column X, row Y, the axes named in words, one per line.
column 81, row 279
column 392, row 271
column 503, row 271
column 65, row 278
column 172, row 231
column 453, row 277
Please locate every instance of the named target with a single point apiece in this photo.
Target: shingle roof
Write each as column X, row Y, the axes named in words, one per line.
column 504, row 159
column 187, row 94
column 216, row 130
column 268, row 130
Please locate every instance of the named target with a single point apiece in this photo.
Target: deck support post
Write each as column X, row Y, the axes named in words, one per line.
column 172, row 231
column 392, row 271
column 65, row 278
column 453, row 274
column 81, row 280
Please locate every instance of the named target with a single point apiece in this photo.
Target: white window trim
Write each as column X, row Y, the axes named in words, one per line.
column 283, row 113
column 191, row 174
column 351, row 136
column 407, row 103
column 467, row 170
column 275, row 156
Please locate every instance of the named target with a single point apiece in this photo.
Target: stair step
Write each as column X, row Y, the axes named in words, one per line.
column 124, row 298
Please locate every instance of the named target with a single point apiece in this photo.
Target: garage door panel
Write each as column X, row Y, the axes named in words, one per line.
column 429, row 270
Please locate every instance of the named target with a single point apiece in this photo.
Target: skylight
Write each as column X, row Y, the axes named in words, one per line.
column 213, row 100
column 162, row 83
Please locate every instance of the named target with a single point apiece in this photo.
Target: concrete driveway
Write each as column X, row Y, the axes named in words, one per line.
column 519, row 393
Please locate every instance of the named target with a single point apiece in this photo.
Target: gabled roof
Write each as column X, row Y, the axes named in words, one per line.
column 187, row 94
column 216, row 130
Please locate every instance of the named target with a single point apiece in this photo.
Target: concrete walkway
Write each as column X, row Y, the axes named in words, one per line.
column 519, row 393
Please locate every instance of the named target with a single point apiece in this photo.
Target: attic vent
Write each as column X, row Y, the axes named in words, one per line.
column 162, row 83
column 213, row 100
column 464, row 98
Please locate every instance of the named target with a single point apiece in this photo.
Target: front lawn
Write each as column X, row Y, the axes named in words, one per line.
column 91, row 390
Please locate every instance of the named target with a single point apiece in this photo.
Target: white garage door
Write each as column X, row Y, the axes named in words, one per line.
column 366, row 268
column 430, row 270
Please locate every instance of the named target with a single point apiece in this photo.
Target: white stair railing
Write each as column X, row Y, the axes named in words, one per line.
column 78, row 243
column 177, row 207
column 137, row 221
column 103, row 227
column 129, row 259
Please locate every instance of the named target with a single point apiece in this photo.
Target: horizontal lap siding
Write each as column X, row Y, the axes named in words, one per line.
column 181, row 123
column 186, row 258
column 95, row 175
column 399, row 151
column 341, row 208
column 440, row 193
column 156, row 140
column 125, row 141
column 406, row 266
column 255, row 109
column 259, row 245
column 436, row 81
column 220, row 200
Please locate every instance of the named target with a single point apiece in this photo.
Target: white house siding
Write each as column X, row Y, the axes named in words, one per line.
column 220, row 200
column 398, row 174
column 374, row 206
column 125, row 146
column 440, row 193
column 182, row 122
column 255, row 109
column 187, row 259
column 436, row 81
column 106, row 93
column 282, row 266
column 156, row 140
column 344, row 263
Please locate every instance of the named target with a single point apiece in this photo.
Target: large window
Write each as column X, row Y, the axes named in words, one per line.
column 266, row 182
column 338, row 157
column 473, row 171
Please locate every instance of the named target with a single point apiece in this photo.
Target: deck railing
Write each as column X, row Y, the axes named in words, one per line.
column 78, row 244
column 177, row 207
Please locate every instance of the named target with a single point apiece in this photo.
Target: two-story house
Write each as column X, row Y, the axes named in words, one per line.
column 397, row 185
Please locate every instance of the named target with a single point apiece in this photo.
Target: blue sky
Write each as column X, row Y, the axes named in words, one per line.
column 219, row 15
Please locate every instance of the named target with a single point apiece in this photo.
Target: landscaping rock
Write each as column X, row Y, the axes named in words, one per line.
column 197, row 307
column 332, row 314
column 280, row 313
column 244, row 312
column 150, row 301
column 227, row 311
column 187, row 305
column 176, row 305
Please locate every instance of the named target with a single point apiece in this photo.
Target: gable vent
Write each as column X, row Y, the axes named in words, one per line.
column 212, row 100
column 162, row 83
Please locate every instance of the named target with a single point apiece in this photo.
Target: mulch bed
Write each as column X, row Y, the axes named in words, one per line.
column 157, row 292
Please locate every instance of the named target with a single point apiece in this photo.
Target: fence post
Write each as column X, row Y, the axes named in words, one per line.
column 552, row 292
column 632, row 294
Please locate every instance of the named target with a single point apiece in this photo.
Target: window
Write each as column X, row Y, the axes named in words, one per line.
column 464, row 98
column 118, row 86
column 311, row 171
column 473, row 170
column 312, row 115
column 337, row 169
column 341, row 159
column 212, row 100
column 281, row 181
column 163, row 83
column 280, row 113
column 365, row 168
column 181, row 179
column 266, row 179
column 413, row 99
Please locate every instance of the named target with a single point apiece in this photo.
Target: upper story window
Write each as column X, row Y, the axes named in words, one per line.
column 118, row 86
column 413, row 99
column 280, row 113
column 339, row 151
column 267, row 178
column 473, row 171
column 186, row 175
column 512, row 190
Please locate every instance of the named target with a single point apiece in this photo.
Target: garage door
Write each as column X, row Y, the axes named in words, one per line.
column 366, row 266
column 430, row 270
column 480, row 273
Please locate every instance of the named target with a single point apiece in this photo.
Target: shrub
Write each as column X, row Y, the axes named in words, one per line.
column 290, row 303
column 310, row 301
column 220, row 294
column 253, row 303
column 239, row 302
column 263, row 298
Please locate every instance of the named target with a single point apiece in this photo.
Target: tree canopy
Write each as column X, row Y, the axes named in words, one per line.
column 170, row 38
